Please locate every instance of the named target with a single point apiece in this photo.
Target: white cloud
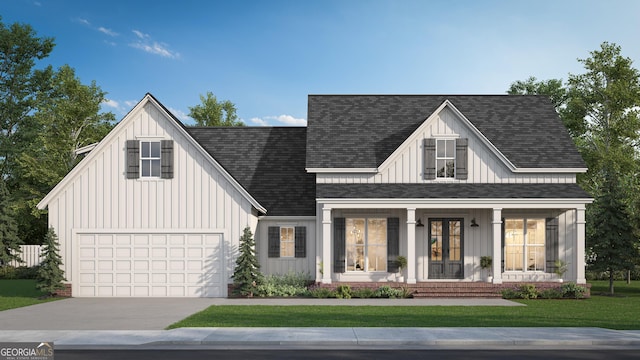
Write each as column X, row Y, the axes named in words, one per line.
column 259, row 122
column 112, row 104
column 130, row 103
column 107, row 31
column 84, row 21
column 288, row 120
column 140, row 34
column 179, row 114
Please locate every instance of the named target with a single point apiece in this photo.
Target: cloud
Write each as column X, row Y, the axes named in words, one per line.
column 259, row 122
column 107, row 31
column 145, row 44
column 140, row 34
column 130, row 103
column 111, row 103
column 83, row 21
column 288, row 120
column 179, row 114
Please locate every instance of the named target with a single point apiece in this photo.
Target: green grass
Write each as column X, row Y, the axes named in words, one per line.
column 19, row 293
column 620, row 312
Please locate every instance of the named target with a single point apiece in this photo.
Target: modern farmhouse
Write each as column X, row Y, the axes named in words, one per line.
column 157, row 208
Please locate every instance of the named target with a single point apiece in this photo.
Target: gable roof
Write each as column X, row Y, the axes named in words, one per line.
column 267, row 161
column 362, row 131
column 147, row 99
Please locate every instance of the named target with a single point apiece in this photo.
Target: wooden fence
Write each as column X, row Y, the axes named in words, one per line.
column 30, row 255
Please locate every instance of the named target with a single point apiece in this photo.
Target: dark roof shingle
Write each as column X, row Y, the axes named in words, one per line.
column 267, row 161
column 362, row 131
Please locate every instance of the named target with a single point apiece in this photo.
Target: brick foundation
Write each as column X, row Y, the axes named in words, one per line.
column 66, row 292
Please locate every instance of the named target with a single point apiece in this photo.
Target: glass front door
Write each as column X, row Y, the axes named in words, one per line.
column 445, row 244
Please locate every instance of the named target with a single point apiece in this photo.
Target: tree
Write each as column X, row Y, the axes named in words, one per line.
column 19, row 84
column 552, row 88
column 50, row 274
column 246, row 275
column 67, row 117
column 612, row 241
column 9, row 240
column 214, row 113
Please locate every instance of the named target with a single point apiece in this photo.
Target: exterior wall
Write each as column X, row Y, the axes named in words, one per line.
column 407, row 165
column 282, row 266
column 100, row 197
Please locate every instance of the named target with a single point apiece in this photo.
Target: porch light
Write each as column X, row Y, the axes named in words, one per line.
column 474, row 223
column 419, row 223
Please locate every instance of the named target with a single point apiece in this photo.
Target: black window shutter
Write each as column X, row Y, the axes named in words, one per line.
column 502, row 249
column 274, row 241
column 301, row 242
column 133, row 159
column 429, row 158
column 462, row 146
column 551, row 243
column 339, row 245
column 393, row 244
column 166, row 159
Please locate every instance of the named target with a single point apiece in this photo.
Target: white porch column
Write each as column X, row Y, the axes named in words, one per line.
column 326, row 246
column 497, row 246
column 580, row 238
column 411, row 246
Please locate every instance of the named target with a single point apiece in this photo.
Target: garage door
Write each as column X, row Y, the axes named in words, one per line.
column 143, row 264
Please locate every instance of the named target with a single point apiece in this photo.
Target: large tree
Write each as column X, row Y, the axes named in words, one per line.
column 9, row 240
column 214, row 113
column 19, row 85
column 553, row 88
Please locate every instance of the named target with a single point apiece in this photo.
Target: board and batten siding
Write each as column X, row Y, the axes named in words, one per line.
column 286, row 265
column 407, row 166
column 101, row 197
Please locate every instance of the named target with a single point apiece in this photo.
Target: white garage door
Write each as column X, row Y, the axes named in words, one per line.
column 144, row 264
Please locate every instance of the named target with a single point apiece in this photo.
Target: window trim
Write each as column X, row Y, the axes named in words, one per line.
column 525, row 246
column 291, row 242
column 151, row 159
column 452, row 157
column 366, row 246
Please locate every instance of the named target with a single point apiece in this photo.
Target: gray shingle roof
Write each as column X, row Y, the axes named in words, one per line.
column 451, row 191
column 361, row 131
column 267, row 161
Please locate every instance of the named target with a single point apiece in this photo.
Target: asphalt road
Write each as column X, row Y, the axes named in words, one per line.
column 347, row 354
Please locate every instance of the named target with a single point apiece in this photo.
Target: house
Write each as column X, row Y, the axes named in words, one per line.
column 157, row 208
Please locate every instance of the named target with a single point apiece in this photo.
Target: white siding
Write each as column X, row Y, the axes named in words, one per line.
column 100, row 197
column 268, row 266
column 407, row 165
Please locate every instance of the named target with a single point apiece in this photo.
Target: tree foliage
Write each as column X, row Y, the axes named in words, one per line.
column 50, row 273
column 9, row 240
column 246, row 274
column 214, row 113
column 553, row 88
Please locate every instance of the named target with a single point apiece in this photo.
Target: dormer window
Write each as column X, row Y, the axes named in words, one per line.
column 445, row 158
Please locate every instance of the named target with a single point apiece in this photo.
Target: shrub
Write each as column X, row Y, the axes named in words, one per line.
column 388, row 292
column 573, row 291
column 524, row 291
column 322, row 293
column 550, row 294
column 7, row 272
column 343, row 292
column 510, row 293
column 363, row 293
column 291, row 284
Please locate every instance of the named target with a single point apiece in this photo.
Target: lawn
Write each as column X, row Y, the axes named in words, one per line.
column 620, row 312
column 19, row 293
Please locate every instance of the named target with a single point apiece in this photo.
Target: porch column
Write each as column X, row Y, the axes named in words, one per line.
column 411, row 246
column 580, row 238
column 326, row 245
column 497, row 246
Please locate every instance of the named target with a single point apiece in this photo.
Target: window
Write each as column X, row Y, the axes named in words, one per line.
column 150, row 158
column 366, row 244
column 445, row 158
column 287, row 243
column 524, row 244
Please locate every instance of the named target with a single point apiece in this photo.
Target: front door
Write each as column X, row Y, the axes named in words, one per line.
column 445, row 241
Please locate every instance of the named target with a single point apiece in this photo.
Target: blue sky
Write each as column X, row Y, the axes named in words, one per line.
column 267, row 56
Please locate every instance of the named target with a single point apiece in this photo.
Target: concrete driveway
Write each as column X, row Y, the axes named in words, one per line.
column 102, row 314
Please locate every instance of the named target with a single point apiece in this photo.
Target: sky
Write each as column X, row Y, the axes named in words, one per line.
column 267, row 56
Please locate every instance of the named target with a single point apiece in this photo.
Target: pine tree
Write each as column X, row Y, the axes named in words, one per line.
column 9, row 240
column 612, row 241
column 246, row 275
column 50, row 274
